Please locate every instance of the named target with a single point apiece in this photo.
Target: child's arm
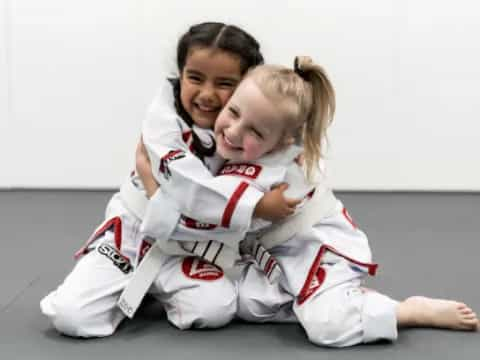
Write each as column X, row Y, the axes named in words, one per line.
column 272, row 206
column 193, row 229
column 171, row 224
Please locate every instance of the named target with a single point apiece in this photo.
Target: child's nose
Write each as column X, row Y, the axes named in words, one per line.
column 235, row 132
column 207, row 91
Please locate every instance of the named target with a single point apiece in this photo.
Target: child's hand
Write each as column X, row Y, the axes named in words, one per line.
column 273, row 206
column 144, row 169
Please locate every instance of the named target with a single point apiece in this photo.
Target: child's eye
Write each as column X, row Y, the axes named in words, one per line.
column 233, row 112
column 257, row 133
column 226, row 84
column 194, row 78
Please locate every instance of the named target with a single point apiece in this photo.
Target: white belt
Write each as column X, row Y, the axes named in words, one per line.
column 142, row 278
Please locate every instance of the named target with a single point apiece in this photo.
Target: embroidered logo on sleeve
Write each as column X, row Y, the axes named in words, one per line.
column 250, row 171
column 194, row 224
column 167, row 159
column 117, row 259
column 197, row 269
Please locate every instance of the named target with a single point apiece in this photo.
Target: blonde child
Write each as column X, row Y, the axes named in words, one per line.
column 323, row 266
column 322, row 256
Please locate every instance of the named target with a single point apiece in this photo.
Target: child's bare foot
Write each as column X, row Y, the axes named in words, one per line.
column 419, row 311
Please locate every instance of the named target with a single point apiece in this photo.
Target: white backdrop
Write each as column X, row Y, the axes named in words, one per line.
column 5, row 119
column 76, row 77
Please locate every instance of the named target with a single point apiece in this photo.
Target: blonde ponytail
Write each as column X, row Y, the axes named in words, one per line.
column 322, row 109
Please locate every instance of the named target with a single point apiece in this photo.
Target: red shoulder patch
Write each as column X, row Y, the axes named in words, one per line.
column 194, row 224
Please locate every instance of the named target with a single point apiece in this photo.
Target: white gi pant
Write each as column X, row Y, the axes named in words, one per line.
column 192, row 292
column 319, row 289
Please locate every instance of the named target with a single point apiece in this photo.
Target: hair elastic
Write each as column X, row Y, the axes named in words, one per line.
column 297, row 69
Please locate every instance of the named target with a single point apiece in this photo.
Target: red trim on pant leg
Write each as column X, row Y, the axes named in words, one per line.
column 372, row 268
column 115, row 223
column 144, row 247
column 349, row 218
column 315, row 278
column 316, row 275
column 117, row 230
column 232, row 203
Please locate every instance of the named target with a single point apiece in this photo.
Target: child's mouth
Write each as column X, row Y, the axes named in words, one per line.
column 231, row 145
column 205, row 108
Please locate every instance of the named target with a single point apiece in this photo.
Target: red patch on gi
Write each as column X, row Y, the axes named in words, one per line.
column 315, row 278
column 194, row 268
column 250, row 171
column 311, row 285
column 194, row 224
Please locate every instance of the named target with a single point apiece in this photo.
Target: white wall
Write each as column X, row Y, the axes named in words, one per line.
column 82, row 73
column 5, row 121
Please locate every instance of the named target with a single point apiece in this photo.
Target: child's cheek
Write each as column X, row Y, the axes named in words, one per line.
column 251, row 149
column 226, row 95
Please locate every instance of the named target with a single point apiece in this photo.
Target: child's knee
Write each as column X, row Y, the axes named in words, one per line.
column 249, row 309
column 332, row 321
column 218, row 307
column 331, row 332
column 259, row 300
column 71, row 318
column 219, row 312
column 255, row 308
column 210, row 306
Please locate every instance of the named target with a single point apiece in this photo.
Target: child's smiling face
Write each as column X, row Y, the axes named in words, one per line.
column 207, row 81
column 250, row 125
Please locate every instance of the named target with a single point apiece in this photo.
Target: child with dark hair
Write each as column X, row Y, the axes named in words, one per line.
column 212, row 58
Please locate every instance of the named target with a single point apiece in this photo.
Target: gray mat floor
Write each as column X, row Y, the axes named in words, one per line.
column 425, row 243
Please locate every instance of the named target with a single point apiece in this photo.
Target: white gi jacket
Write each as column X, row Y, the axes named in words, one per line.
column 184, row 177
